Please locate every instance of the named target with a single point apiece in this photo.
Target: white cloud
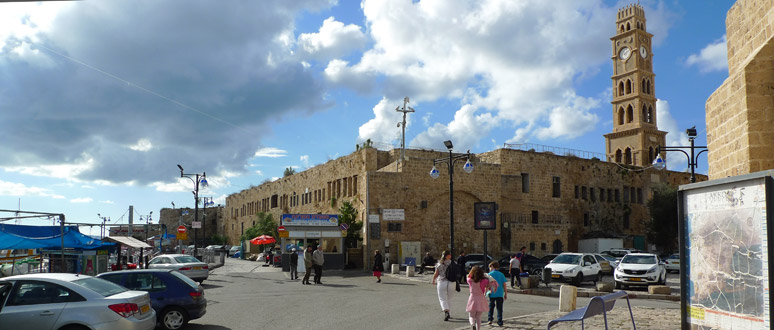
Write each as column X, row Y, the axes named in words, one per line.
column 259, row 172
column 81, row 200
column 270, row 152
column 511, row 64
column 107, row 202
column 713, row 57
column 20, row 190
column 334, row 39
column 305, row 160
column 142, row 145
column 340, row 73
column 675, row 136
column 62, row 171
column 275, row 178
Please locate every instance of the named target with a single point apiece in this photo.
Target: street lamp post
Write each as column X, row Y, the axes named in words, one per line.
column 104, row 220
column 206, row 201
column 660, row 164
column 434, row 173
column 200, row 178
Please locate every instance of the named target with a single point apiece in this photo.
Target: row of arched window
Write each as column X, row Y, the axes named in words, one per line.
column 627, row 116
column 625, row 156
column 628, row 26
column 626, row 87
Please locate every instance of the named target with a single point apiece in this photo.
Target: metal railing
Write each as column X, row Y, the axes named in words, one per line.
column 555, row 150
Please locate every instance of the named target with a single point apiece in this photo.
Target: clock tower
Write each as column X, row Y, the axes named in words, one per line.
column 635, row 135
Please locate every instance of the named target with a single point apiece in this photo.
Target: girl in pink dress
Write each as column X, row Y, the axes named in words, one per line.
column 477, row 303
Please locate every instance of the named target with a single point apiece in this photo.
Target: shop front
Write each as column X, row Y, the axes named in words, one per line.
column 313, row 230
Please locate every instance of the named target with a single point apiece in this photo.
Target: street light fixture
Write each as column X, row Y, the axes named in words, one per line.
column 104, row 220
column 660, row 164
column 434, row 173
column 200, row 179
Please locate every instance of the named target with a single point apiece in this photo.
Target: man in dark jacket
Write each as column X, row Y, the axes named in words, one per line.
column 461, row 260
column 427, row 261
column 293, row 264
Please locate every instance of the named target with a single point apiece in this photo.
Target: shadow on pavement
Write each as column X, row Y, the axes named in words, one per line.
column 205, row 327
column 210, row 286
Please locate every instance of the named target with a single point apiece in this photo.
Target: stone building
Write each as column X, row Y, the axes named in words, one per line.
column 740, row 113
column 211, row 218
column 547, row 199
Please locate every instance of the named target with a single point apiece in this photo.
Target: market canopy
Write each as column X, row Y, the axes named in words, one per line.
column 128, row 241
column 46, row 237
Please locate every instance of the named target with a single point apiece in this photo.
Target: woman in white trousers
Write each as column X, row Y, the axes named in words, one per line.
column 443, row 286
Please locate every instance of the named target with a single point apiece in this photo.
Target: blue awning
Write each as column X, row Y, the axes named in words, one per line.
column 46, row 237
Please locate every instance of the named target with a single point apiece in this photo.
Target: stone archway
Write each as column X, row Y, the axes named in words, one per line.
column 435, row 226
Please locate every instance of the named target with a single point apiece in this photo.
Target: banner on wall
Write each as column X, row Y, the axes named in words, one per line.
column 319, row 220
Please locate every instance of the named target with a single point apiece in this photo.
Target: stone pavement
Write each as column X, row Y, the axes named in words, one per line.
column 645, row 318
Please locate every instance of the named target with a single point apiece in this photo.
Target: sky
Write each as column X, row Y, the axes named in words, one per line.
column 101, row 100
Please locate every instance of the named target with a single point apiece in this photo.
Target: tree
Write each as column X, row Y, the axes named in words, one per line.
column 218, row 239
column 348, row 215
column 662, row 228
column 288, row 172
column 265, row 225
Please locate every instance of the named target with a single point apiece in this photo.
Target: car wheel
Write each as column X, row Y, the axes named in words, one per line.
column 173, row 318
column 578, row 279
column 663, row 279
column 73, row 327
column 598, row 279
column 618, row 285
column 537, row 271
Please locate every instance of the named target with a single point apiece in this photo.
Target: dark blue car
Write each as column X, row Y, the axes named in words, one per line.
column 175, row 297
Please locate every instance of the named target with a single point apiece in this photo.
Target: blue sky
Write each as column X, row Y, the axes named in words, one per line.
column 100, row 100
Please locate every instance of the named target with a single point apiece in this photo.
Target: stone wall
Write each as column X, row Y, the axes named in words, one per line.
column 740, row 113
column 213, row 217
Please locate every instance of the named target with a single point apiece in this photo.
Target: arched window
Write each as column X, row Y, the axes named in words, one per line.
column 629, row 114
column 644, row 88
column 618, row 156
column 620, row 88
column 650, row 114
column 628, row 86
column 651, row 157
column 620, row 116
column 644, row 117
column 648, row 86
column 628, row 26
column 622, row 28
column 628, row 156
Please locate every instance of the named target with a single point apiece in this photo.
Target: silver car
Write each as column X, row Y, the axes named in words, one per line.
column 188, row 265
column 56, row 300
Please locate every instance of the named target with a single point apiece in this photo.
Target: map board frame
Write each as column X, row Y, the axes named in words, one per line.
column 738, row 205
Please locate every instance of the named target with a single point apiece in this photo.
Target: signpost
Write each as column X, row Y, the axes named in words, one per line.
column 283, row 233
column 485, row 219
column 182, row 233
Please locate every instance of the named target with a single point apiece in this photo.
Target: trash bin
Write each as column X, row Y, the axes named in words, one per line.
column 546, row 275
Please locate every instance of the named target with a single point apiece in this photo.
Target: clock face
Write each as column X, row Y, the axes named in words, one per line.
column 625, row 53
column 643, row 52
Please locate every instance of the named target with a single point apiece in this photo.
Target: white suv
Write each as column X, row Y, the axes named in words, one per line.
column 639, row 269
column 575, row 268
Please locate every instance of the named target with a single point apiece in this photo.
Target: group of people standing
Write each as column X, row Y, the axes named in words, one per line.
column 482, row 286
column 313, row 259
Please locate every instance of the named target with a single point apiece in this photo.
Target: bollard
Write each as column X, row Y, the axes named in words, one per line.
column 568, row 295
column 395, row 269
column 410, row 271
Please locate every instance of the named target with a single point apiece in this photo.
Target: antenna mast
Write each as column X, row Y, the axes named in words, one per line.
column 404, row 110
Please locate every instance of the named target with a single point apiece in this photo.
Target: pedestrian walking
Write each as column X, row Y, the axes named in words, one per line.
column 478, row 284
column 378, row 266
column 308, row 264
column 461, row 260
column 443, row 286
column 317, row 260
column 497, row 297
column 514, row 269
column 293, row 264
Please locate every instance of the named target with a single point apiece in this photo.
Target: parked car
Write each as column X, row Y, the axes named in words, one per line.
column 612, row 260
column 604, row 264
column 639, row 269
column 575, row 268
column 532, row 264
column 232, row 250
column 617, row 253
column 476, row 259
column 188, row 265
column 72, row 301
column 672, row 263
column 176, row 298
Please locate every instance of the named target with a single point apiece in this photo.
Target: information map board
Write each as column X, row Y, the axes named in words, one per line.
column 724, row 253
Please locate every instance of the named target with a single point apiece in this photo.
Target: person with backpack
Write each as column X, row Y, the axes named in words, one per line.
column 445, row 279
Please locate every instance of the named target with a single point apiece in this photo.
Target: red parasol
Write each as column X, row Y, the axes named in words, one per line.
column 263, row 239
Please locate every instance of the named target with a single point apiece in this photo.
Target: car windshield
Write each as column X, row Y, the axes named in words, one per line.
column 617, row 253
column 609, row 258
column 674, row 256
column 572, row 259
column 186, row 259
column 640, row 260
column 98, row 285
column 185, row 279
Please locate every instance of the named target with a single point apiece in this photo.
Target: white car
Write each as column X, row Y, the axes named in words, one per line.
column 639, row 269
column 188, row 265
column 672, row 263
column 72, row 301
column 575, row 268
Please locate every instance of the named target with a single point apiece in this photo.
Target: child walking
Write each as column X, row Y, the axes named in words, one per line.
column 477, row 304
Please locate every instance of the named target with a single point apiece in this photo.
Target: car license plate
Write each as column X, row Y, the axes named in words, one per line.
column 197, row 268
column 635, row 279
column 676, row 262
column 555, row 276
column 144, row 309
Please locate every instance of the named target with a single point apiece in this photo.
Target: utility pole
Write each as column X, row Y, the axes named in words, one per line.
column 131, row 220
column 404, row 110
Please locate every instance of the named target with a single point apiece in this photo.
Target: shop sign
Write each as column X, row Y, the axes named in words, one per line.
column 393, row 215
column 313, row 234
column 319, row 220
